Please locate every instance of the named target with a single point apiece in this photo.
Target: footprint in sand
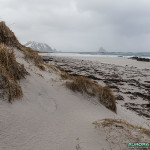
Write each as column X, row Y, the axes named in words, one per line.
column 47, row 104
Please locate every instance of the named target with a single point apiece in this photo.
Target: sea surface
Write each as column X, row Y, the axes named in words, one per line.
column 96, row 54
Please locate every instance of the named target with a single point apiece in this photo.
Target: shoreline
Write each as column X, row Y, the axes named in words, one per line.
column 96, row 54
column 129, row 82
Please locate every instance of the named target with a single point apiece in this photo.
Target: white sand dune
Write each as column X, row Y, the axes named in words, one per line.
column 51, row 117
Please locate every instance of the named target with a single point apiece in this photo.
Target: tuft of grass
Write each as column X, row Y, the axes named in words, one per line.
column 83, row 84
column 8, row 38
column 52, row 67
column 119, row 133
column 109, row 122
column 10, row 72
column 41, row 67
column 65, row 76
column 107, row 98
column 31, row 54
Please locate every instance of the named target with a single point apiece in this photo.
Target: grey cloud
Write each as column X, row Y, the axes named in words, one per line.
column 130, row 18
column 81, row 24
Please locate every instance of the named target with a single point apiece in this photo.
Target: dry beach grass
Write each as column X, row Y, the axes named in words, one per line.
column 119, row 133
column 8, row 38
column 83, row 84
column 10, row 72
column 109, row 122
column 10, row 69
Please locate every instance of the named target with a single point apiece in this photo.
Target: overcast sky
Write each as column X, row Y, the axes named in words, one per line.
column 81, row 25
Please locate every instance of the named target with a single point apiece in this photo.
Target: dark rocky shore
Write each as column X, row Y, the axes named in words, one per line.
column 140, row 59
column 131, row 85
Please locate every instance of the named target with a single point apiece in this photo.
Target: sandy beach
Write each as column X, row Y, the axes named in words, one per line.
column 128, row 78
column 76, row 76
column 50, row 116
column 45, row 104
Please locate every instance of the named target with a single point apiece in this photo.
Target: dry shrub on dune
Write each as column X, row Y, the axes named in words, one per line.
column 10, row 72
column 119, row 131
column 109, row 122
column 64, row 75
column 107, row 98
column 30, row 54
column 85, row 85
column 8, row 38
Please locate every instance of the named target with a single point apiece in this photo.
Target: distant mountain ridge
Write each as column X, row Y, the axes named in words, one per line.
column 41, row 47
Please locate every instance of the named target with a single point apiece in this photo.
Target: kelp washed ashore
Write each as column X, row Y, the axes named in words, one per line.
column 130, row 83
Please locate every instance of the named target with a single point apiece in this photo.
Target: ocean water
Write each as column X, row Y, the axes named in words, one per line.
column 95, row 54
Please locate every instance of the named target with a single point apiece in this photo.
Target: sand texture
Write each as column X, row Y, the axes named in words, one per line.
column 52, row 117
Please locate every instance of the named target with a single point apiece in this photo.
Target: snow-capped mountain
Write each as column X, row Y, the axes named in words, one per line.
column 42, row 47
